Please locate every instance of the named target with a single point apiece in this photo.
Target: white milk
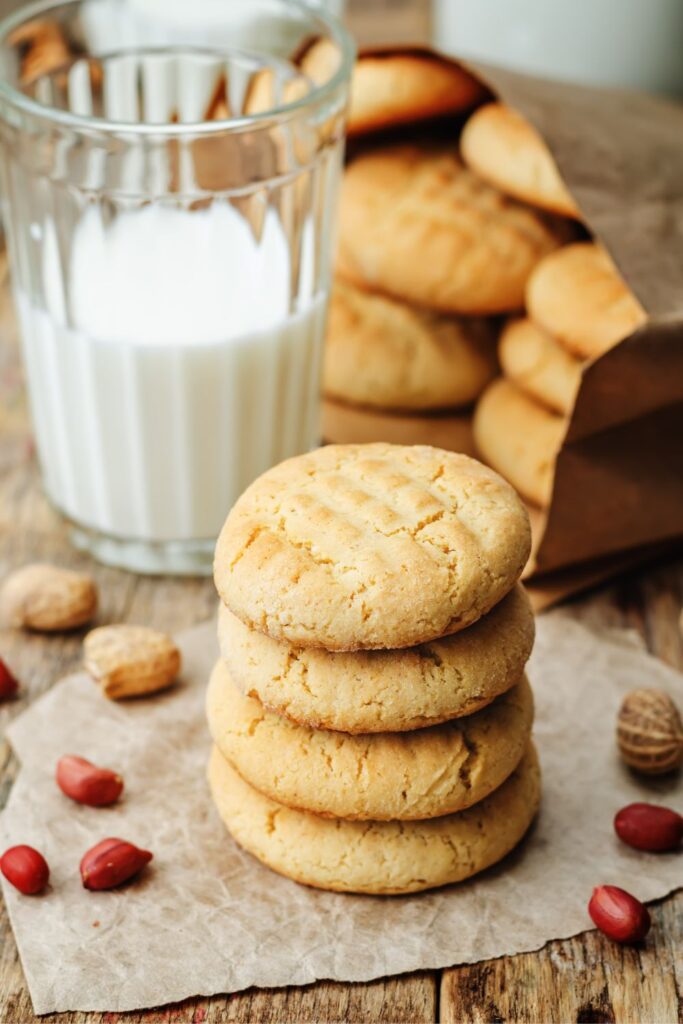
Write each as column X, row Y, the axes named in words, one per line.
column 112, row 25
column 183, row 375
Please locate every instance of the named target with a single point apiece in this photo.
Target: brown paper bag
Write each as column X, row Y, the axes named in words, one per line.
column 619, row 475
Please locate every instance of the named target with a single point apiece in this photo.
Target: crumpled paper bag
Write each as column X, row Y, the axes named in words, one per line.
column 207, row 918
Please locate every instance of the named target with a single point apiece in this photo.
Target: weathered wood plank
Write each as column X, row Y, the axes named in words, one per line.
column 585, row 979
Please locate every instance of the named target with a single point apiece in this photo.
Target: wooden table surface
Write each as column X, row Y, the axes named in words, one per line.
column 585, row 978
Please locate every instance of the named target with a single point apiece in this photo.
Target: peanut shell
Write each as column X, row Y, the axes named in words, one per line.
column 650, row 732
column 47, row 598
column 129, row 661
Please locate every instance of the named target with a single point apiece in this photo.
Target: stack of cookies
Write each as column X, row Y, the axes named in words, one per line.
column 577, row 307
column 370, row 714
column 430, row 253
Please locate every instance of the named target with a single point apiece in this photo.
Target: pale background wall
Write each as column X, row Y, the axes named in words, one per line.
column 373, row 21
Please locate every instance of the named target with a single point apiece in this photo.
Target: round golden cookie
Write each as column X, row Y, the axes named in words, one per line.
column 383, row 777
column 577, row 295
column 506, row 150
column 391, row 89
column 539, row 365
column 384, row 353
column 520, row 439
column 371, row 546
column 381, row 857
column 351, row 424
column 418, row 225
column 383, row 691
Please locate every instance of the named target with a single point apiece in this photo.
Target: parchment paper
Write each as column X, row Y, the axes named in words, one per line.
column 206, row 918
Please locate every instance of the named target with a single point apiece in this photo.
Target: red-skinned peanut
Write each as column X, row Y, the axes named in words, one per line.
column 618, row 914
column 649, row 827
column 8, row 683
column 86, row 783
column 112, row 862
column 25, row 868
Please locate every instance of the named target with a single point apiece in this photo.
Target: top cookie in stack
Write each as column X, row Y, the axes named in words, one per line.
column 370, row 714
column 429, row 253
column 577, row 307
column 367, row 547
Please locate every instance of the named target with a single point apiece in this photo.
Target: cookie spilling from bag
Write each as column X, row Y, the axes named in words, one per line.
column 411, row 348
column 577, row 308
column 442, row 230
column 370, row 714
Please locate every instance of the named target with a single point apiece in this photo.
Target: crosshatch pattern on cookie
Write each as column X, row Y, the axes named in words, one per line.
column 371, row 546
column 458, row 245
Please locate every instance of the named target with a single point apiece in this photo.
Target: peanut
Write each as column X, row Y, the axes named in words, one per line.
column 649, row 827
column 48, row 599
column 618, row 914
column 112, row 862
column 86, row 783
column 8, row 683
column 25, row 868
column 650, row 732
column 129, row 661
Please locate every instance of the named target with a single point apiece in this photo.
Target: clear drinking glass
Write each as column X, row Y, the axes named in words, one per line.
column 170, row 212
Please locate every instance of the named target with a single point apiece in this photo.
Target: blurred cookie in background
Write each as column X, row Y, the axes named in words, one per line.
column 578, row 296
column 539, row 365
column 393, row 89
column 519, row 438
column 416, row 224
column 386, row 354
column 503, row 148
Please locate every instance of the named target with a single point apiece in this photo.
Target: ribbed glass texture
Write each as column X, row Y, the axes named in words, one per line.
column 170, row 212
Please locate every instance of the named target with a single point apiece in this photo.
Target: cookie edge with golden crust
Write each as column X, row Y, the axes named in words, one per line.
column 493, row 743
column 518, row 621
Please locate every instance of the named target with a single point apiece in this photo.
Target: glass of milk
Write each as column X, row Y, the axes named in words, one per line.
column 170, row 209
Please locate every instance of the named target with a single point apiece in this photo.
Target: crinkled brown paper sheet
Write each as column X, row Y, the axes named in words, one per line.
column 207, row 918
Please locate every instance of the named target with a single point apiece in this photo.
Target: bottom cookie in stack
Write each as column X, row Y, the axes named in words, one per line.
column 386, row 857
column 400, row 374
